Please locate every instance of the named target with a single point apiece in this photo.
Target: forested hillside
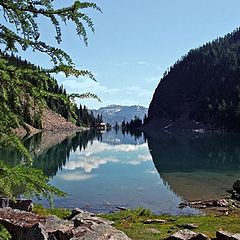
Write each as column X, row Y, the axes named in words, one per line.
column 27, row 89
column 203, row 86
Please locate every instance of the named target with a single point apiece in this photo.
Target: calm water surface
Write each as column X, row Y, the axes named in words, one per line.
column 100, row 171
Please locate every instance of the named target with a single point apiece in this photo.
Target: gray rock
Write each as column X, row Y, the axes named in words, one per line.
column 183, row 235
column 37, row 231
column 201, row 236
column 189, row 226
column 152, row 221
column 223, row 235
column 4, row 202
column 75, row 212
column 153, row 230
column 52, row 237
column 236, row 186
column 235, row 236
column 84, row 226
column 22, row 204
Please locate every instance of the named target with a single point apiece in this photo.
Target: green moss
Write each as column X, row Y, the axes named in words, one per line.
column 4, row 234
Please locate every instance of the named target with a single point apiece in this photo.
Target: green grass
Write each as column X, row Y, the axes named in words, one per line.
column 62, row 213
column 131, row 222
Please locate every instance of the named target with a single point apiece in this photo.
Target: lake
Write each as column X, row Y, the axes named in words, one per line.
column 102, row 171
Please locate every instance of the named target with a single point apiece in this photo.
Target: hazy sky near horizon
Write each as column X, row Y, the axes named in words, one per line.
column 136, row 41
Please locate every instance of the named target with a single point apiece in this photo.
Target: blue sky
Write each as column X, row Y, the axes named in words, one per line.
column 136, row 41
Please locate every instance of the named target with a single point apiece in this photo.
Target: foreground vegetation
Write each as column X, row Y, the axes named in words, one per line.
column 132, row 222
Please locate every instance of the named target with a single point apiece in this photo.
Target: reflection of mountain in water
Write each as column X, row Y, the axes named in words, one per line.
column 192, row 166
column 197, row 152
column 196, row 166
column 51, row 151
column 123, row 137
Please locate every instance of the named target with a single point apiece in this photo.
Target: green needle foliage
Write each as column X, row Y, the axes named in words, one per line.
column 30, row 180
column 23, row 18
column 26, row 89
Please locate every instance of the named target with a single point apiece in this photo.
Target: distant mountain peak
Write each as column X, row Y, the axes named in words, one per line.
column 114, row 112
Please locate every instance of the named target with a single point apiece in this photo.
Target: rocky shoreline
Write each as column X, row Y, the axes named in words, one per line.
column 225, row 205
column 24, row 225
column 81, row 225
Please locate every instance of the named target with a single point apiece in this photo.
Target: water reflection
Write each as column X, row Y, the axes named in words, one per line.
column 196, row 166
column 102, row 170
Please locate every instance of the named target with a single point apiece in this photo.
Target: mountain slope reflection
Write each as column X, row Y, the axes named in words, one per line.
column 197, row 166
column 102, row 170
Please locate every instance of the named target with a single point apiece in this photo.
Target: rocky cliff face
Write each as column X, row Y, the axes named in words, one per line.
column 202, row 90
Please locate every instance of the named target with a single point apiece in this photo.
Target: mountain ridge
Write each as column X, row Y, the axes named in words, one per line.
column 201, row 90
column 115, row 112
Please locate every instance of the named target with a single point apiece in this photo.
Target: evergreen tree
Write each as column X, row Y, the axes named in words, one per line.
column 20, row 80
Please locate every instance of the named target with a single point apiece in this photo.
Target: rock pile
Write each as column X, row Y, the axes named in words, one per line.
column 190, row 235
column 24, row 225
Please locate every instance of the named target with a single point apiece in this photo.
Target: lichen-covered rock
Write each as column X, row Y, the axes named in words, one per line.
column 183, row 235
column 84, row 226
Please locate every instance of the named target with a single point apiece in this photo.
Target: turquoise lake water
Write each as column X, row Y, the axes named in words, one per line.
column 101, row 171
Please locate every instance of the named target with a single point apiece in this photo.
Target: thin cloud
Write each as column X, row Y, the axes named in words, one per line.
column 89, row 159
column 88, row 163
column 76, row 176
column 142, row 63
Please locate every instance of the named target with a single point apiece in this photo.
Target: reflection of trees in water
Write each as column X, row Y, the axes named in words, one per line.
column 50, row 158
column 49, row 155
column 136, row 133
column 13, row 157
column 195, row 152
column 57, row 156
column 196, row 166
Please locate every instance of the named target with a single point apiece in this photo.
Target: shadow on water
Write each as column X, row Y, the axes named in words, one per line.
column 192, row 166
column 196, row 166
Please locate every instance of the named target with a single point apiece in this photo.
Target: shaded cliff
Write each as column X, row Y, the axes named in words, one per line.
column 202, row 89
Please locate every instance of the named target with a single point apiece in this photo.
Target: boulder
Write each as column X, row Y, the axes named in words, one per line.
column 21, row 204
column 235, row 236
column 75, row 212
column 24, row 225
column 37, row 231
column 201, row 236
column 154, row 221
column 223, row 235
column 183, row 235
column 4, row 202
column 189, row 226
